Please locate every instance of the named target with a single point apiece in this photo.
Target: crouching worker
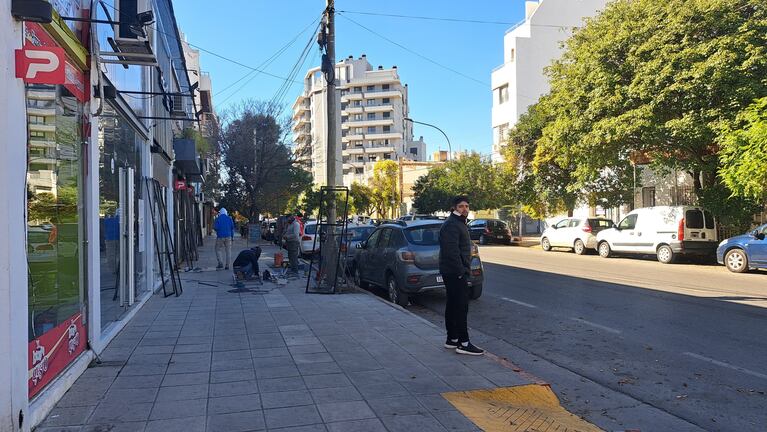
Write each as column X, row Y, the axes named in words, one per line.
column 246, row 264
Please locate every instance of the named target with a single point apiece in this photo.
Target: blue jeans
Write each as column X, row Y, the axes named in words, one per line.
column 247, row 270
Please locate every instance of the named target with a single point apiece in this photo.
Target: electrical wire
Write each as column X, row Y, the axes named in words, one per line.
column 222, row 57
column 483, row 83
column 268, row 61
column 428, row 18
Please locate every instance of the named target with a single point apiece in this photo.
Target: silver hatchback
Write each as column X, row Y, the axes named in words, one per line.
column 403, row 258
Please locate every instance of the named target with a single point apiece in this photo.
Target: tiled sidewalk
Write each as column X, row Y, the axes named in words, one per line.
column 214, row 360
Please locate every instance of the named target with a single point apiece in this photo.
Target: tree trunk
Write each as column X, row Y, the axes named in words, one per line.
column 696, row 181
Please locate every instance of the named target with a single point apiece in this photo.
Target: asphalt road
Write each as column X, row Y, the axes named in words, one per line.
column 689, row 340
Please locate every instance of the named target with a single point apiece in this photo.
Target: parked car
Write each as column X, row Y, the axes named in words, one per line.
column 355, row 234
column 307, row 245
column 412, row 217
column 665, row 231
column 490, row 231
column 744, row 252
column 403, row 258
column 578, row 234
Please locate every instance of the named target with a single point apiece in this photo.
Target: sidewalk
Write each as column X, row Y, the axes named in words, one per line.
column 277, row 359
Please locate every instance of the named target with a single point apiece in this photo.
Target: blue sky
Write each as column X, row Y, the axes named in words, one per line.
column 251, row 31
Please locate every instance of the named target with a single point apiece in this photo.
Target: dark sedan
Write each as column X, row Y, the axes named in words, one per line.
column 403, row 258
column 490, row 231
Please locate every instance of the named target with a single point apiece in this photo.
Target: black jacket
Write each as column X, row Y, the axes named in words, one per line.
column 248, row 256
column 454, row 247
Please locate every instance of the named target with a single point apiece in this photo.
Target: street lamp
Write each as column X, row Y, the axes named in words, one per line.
column 449, row 147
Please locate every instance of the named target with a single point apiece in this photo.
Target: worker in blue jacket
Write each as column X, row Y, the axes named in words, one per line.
column 224, row 226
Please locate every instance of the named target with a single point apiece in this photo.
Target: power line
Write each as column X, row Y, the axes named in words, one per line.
column 222, row 57
column 266, row 63
column 429, row 18
column 484, row 84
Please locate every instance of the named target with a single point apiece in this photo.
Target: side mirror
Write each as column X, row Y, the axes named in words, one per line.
column 554, row 227
column 361, row 245
column 757, row 235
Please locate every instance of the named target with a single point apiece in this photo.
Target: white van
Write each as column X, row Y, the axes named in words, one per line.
column 666, row 231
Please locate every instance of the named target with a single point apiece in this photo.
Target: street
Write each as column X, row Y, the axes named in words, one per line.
column 687, row 339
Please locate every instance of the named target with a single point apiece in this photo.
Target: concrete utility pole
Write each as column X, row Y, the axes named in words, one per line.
column 331, row 94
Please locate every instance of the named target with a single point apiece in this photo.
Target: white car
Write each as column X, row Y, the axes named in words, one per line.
column 578, row 234
column 664, row 231
column 307, row 245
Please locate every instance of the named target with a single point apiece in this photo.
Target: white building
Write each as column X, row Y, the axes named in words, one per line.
column 527, row 49
column 372, row 104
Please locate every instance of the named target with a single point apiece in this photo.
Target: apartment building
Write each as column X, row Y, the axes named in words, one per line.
column 372, row 104
column 527, row 49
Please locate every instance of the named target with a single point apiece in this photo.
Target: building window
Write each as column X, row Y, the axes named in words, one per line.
column 385, row 87
column 511, row 55
column 371, row 88
column 371, row 116
column 372, row 158
column 359, row 171
column 386, row 100
column 358, row 144
column 387, row 115
column 344, row 119
column 386, row 141
column 34, row 119
column 357, row 89
column 502, row 94
column 387, row 128
column 358, row 131
column 357, row 117
column 501, row 132
column 36, row 134
column 414, row 150
column 356, row 103
column 387, row 155
column 371, row 102
column 648, row 197
column 343, row 93
column 360, row 159
column 371, row 129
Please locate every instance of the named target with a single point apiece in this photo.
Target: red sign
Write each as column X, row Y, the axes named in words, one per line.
column 179, row 185
column 53, row 351
column 41, row 65
column 37, row 39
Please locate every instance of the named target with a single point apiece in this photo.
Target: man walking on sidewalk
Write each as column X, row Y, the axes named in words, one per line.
column 224, row 227
column 455, row 266
column 292, row 236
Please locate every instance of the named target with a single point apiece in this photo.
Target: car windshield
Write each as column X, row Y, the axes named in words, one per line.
column 310, row 229
column 478, row 223
column 600, row 224
column 359, row 234
column 424, row 235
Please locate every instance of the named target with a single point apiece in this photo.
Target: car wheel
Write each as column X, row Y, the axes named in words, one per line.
column 665, row 254
column 579, row 248
column 604, row 250
column 482, row 240
column 545, row 244
column 395, row 294
column 358, row 279
column 736, row 261
column 476, row 291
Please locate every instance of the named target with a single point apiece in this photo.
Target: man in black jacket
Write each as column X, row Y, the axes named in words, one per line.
column 245, row 266
column 455, row 266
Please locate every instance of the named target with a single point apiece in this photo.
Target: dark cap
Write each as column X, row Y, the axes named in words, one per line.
column 459, row 199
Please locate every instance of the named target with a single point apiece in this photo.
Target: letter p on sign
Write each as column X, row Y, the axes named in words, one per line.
column 41, row 65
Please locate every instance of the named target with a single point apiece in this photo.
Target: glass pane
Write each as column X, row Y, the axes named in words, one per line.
column 427, row 235
column 694, row 219
column 53, row 200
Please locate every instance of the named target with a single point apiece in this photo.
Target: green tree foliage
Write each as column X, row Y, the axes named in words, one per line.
column 263, row 172
column 656, row 78
column 361, row 198
column 469, row 175
column 384, row 186
column 744, row 153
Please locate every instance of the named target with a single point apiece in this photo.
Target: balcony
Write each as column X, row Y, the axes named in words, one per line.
column 44, row 112
column 41, row 143
column 379, row 108
column 384, row 135
column 366, row 123
column 352, row 137
column 351, row 96
column 42, row 127
column 381, row 149
column 301, row 135
column 353, row 150
column 352, row 110
column 383, row 94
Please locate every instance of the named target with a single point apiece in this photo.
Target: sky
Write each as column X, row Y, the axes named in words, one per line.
column 253, row 31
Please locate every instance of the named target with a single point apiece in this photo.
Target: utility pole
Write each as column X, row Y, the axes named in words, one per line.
column 327, row 42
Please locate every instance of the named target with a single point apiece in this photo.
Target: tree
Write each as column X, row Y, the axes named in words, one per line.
column 469, row 175
column 385, row 194
column 361, row 199
column 744, row 153
column 262, row 169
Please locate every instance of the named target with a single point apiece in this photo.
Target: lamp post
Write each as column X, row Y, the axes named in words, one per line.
column 449, row 147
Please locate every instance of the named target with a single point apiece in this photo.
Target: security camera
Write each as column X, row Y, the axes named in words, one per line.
column 145, row 18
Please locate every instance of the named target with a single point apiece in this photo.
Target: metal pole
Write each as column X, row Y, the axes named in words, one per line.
column 449, row 147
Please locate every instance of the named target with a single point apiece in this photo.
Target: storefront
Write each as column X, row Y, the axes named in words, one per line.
column 56, row 122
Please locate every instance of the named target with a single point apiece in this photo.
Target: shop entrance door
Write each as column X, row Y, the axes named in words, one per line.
column 126, row 289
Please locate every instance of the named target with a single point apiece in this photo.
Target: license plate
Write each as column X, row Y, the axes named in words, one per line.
column 439, row 279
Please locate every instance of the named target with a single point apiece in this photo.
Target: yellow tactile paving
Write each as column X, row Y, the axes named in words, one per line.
column 528, row 408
